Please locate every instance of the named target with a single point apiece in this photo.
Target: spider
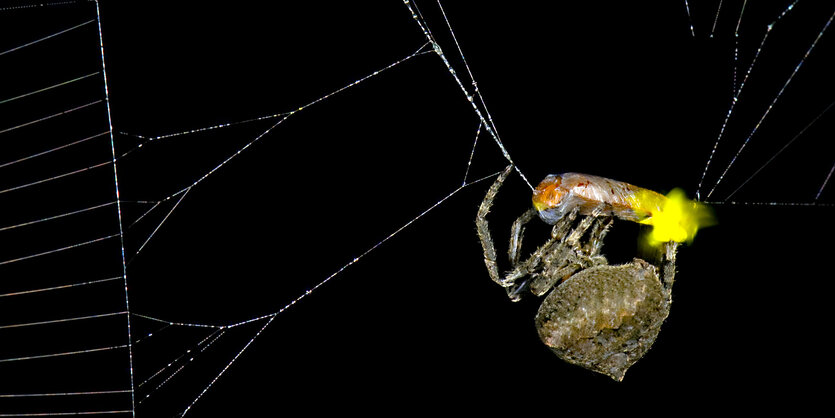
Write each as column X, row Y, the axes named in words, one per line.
column 598, row 316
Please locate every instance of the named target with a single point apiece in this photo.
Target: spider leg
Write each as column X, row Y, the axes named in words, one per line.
column 561, row 228
column 545, row 282
column 517, row 231
column 515, row 291
column 668, row 264
column 577, row 233
column 483, row 229
column 541, row 283
column 598, row 232
column 557, row 236
column 573, row 256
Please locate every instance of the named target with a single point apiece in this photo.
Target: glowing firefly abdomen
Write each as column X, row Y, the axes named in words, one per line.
column 673, row 217
column 559, row 194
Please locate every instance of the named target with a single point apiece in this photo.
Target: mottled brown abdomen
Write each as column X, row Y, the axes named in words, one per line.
column 605, row 318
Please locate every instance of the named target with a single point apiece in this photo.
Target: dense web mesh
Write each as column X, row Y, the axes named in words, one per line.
column 64, row 316
column 230, row 163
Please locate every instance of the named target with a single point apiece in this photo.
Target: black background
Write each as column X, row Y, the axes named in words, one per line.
column 616, row 89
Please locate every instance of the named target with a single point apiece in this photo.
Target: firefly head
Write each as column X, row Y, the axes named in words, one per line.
column 548, row 198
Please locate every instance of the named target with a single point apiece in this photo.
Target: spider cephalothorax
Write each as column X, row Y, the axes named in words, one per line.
column 598, row 316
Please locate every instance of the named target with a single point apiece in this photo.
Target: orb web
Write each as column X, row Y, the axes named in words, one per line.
column 195, row 235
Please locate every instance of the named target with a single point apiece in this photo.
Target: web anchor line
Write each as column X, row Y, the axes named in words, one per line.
column 283, row 117
column 737, row 91
column 270, row 317
column 828, row 176
column 774, row 204
column 716, row 18
column 183, row 195
column 773, row 102
column 773, row 157
column 487, row 122
column 211, row 338
column 172, row 362
column 328, row 278
column 689, row 19
column 150, row 334
column 736, row 47
column 472, row 152
column 38, row 5
column 476, row 91
column 182, row 192
column 147, row 140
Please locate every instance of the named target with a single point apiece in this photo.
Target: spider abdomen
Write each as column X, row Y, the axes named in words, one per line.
column 605, row 318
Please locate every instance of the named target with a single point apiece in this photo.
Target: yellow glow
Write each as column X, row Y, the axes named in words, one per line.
column 676, row 218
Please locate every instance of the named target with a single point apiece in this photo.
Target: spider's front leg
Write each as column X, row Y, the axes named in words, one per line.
column 509, row 280
column 517, row 232
column 483, row 228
